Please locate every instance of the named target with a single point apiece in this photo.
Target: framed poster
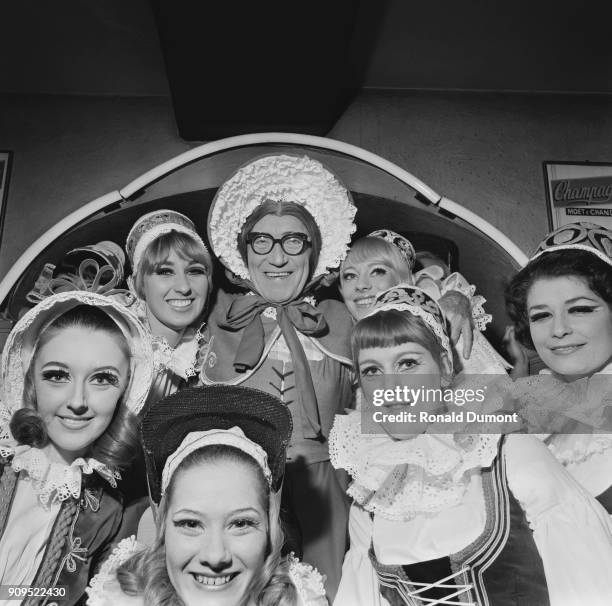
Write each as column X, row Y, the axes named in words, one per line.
column 578, row 191
column 5, row 173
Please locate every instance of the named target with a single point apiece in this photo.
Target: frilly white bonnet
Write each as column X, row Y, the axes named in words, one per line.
column 288, row 178
column 21, row 346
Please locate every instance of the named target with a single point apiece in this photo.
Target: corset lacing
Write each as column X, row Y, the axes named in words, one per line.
column 412, row 597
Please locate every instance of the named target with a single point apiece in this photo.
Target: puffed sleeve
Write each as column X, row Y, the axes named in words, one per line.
column 359, row 583
column 104, row 588
column 308, row 582
column 572, row 531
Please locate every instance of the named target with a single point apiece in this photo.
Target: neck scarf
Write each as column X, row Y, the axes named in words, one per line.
column 245, row 313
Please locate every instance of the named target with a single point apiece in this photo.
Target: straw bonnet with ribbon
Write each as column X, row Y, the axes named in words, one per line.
column 251, row 420
column 307, row 183
column 95, row 268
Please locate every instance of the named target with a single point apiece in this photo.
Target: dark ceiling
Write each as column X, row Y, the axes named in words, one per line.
column 235, row 67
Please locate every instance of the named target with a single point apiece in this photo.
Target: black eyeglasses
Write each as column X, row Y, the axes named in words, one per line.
column 293, row 244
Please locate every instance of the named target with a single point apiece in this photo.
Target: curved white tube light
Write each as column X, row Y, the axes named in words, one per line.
column 61, row 227
column 221, row 145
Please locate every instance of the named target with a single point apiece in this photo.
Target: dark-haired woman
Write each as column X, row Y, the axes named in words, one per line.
column 279, row 224
column 561, row 305
column 76, row 370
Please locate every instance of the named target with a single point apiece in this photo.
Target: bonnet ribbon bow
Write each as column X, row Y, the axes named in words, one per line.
column 245, row 312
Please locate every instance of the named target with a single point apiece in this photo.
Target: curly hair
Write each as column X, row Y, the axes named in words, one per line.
column 585, row 266
column 117, row 446
column 146, row 574
column 280, row 209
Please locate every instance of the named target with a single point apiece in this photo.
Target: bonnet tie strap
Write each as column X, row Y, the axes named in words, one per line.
column 245, row 313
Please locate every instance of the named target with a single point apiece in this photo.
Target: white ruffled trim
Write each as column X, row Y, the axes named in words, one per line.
column 545, row 396
column 54, row 482
column 438, row 329
column 19, row 346
column 402, row 479
column 282, row 177
column 456, row 282
column 97, row 594
column 182, row 359
column 545, row 401
column 308, row 582
column 576, row 448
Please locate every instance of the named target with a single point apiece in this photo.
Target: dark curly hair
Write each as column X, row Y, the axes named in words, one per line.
column 117, row 446
column 581, row 264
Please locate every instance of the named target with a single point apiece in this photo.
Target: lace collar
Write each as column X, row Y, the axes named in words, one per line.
column 53, row 482
column 543, row 399
column 182, row 359
column 402, row 479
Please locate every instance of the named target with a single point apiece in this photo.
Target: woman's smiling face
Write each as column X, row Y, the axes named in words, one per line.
column 176, row 293
column 79, row 376
column 570, row 325
column 408, row 365
column 216, row 533
column 361, row 281
column 278, row 276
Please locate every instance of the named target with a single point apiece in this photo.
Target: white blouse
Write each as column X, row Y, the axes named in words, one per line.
column 571, row 530
column 25, row 537
column 588, row 457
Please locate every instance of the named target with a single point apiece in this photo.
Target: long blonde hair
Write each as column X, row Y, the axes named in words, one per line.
column 145, row 574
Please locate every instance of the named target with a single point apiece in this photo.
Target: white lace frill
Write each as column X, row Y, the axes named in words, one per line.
column 182, row 359
column 104, row 588
column 429, row 280
column 551, row 407
column 308, row 582
column 458, row 283
column 53, row 482
column 279, row 177
column 402, row 479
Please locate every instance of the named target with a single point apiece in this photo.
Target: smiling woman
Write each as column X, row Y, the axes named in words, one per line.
column 215, row 458
column 561, row 305
column 171, row 278
column 76, row 370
